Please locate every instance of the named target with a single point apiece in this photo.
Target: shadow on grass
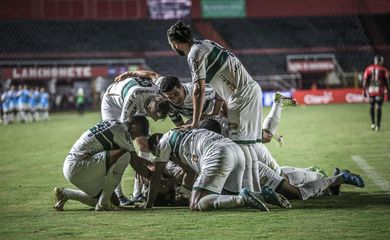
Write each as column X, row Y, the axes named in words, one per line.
column 346, row 200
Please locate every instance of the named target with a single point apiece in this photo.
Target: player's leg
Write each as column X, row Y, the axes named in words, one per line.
column 222, row 168
column 139, row 186
column 372, row 112
column 118, row 162
column 379, row 102
column 300, row 176
column 264, row 156
column 87, row 175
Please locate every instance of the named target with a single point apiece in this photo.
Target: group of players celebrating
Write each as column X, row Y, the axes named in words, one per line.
column 24, row 104
column 217, row 159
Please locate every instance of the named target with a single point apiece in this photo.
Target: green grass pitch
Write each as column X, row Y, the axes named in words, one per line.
column 31, row 157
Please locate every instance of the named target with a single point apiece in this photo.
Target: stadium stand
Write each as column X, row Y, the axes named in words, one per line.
column 263, row 49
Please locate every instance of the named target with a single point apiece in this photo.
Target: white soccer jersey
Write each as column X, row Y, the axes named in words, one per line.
column 187, row 108
column 104, row 136
column 225, row 73
column 189, row 146
column 220, row 68
column 127, row 98
column 218, row 160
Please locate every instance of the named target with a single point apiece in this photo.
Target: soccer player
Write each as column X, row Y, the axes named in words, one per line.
column 44, row 104
column 210, row 63
column 24, row 104
column 293, row 183
column 6, row 102
column 124, row 99
column 375, row 85
column 34, row 103
column 219, row 163
column 97, row 160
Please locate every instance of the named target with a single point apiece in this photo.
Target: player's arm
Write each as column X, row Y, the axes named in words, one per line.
column 141, row 166
column 198, row 101
column 219, row 102
column 139, row 73
column 366, row 81
column 155, row 179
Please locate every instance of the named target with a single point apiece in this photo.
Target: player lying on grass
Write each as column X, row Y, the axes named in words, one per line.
column 96, row 162
column 217, row 160
column 295, row 183
column 133, row 96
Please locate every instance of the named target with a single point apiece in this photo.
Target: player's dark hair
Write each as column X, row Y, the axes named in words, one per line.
column 179, row 32
column 162, row 107
column 168, row 83
column 142, row 122
column 211, row 125
column 153, row 142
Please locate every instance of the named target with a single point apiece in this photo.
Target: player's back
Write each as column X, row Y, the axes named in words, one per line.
column 220, row 68
column 191, row 145
column 129, row 88
column 105, row 135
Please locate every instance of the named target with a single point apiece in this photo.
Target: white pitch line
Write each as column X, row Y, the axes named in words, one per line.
column 372, row 174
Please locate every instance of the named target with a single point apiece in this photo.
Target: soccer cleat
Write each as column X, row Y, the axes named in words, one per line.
column 336, row 189
column 123, row 201
column 59, row 198
column 319, row 170
column 278, row 139
column 377, row 128
column 352, row 179
column 106, row 207
column 274, row 198
column 251, row 201
column 286, row 101
column 372, row 127
column 138, row 199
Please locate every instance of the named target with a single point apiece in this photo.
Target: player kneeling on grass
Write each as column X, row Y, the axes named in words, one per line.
column 97, row 160
column 219, row 163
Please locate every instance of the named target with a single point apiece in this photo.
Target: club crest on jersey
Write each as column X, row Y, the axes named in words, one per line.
column 195, row 158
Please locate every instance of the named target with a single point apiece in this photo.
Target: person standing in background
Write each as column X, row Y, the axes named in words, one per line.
column 375, row 84
column 80, row 101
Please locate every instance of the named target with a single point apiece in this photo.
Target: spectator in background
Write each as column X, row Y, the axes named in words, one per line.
column 80, row 101
column 375, row 84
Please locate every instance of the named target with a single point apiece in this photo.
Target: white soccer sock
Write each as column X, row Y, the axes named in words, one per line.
column 46, row 115
column 118, row 190
column 5, row 118
column 78, row 195
column 300, row 176
column 113, row 178
column 137, row 189
column 215, row 201
column 271, row 122
column 247, row 181
column 255, row 169
column 315, row 188
column 36, row 116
